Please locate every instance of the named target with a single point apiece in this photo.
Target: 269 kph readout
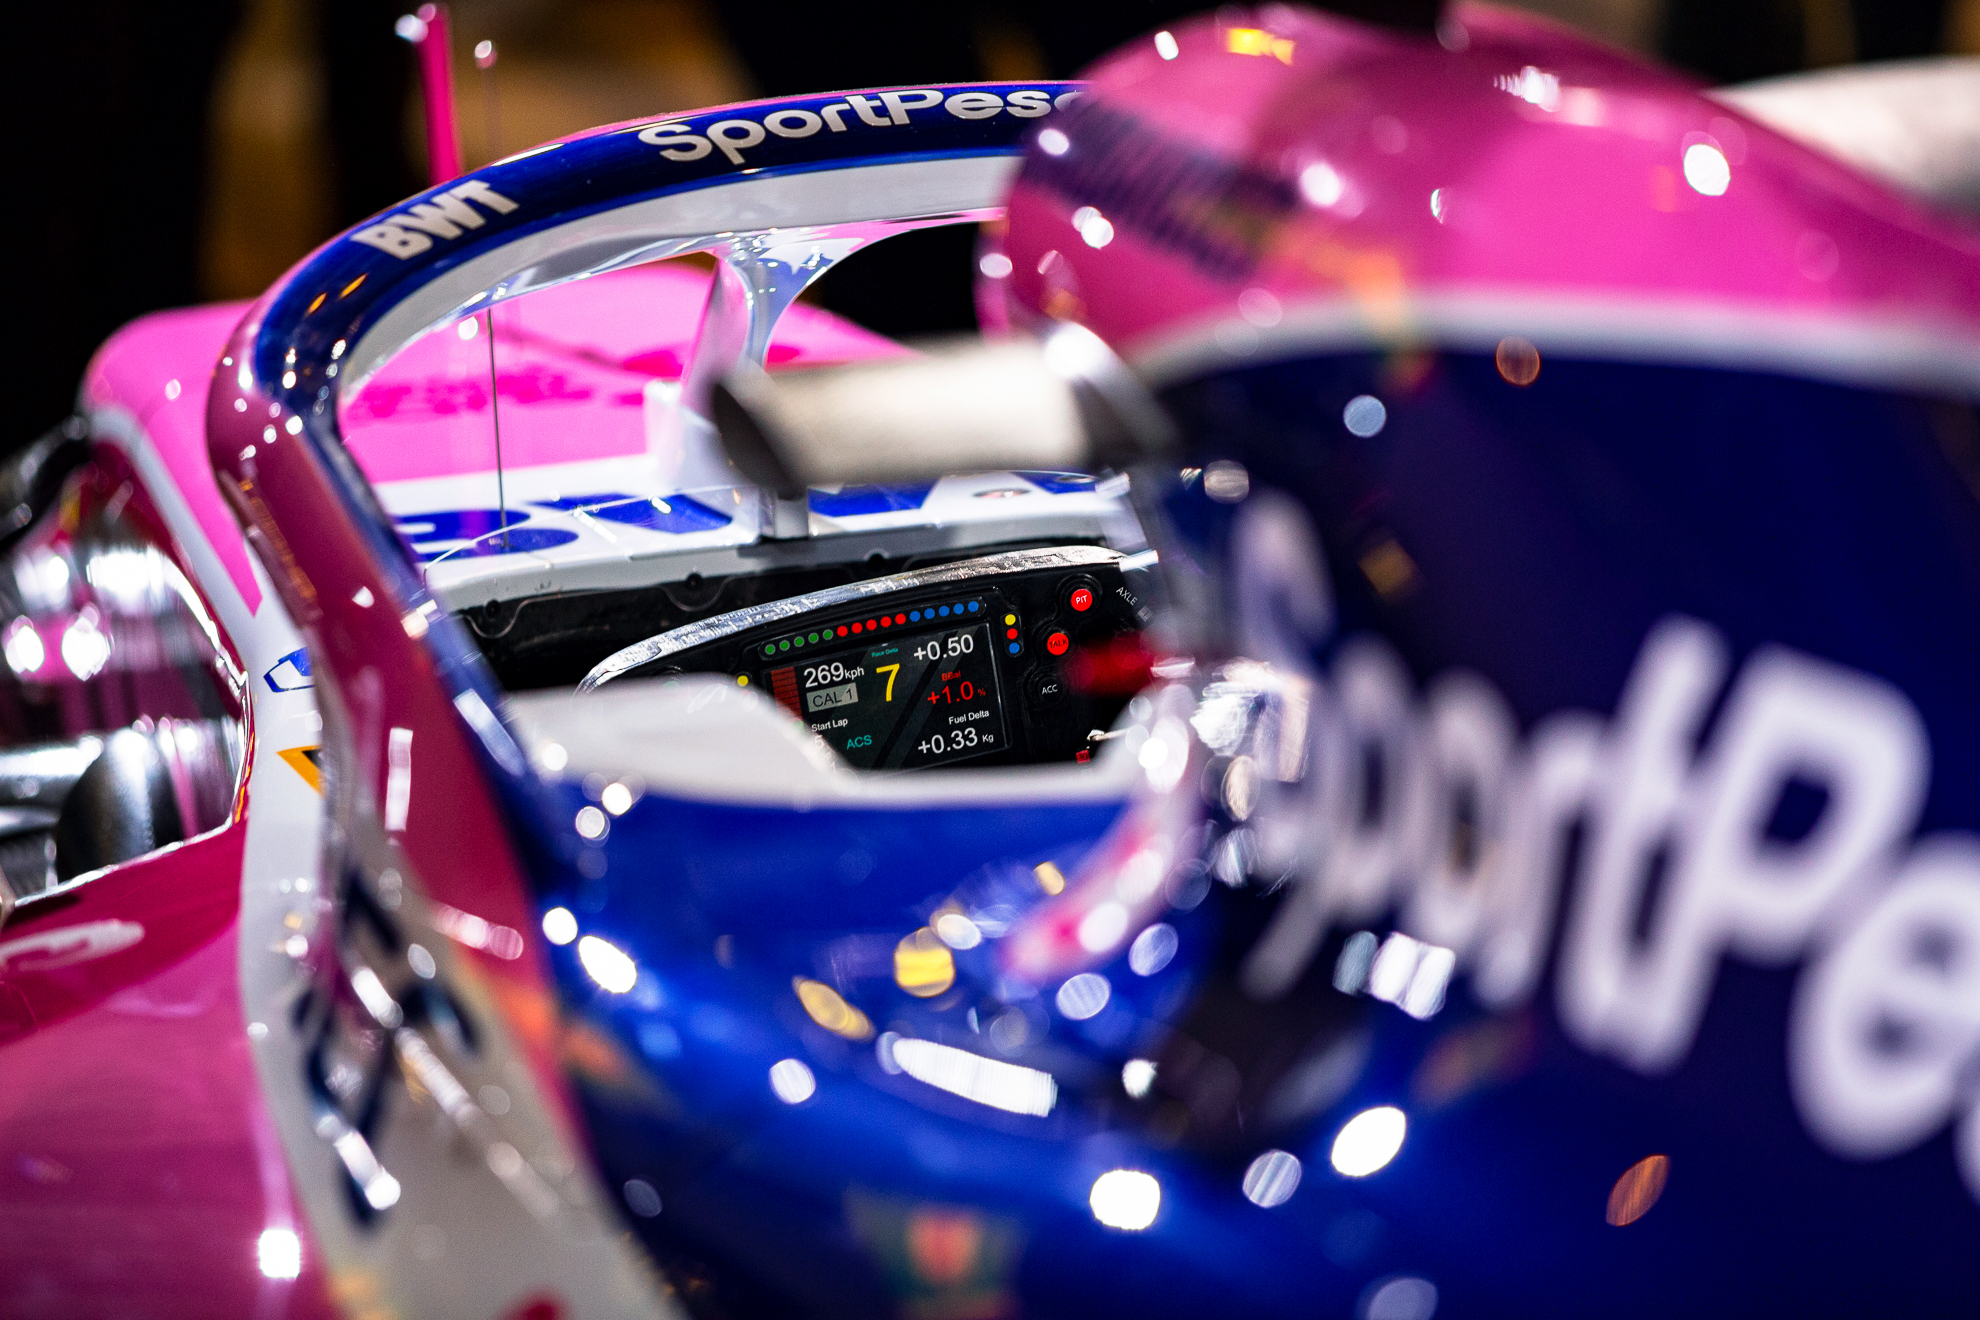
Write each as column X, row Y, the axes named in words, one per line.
column 914, row 700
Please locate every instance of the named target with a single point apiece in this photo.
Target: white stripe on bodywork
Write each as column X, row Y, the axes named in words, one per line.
column 1896, row 353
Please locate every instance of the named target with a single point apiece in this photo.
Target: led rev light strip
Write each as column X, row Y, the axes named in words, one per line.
column 861, row 627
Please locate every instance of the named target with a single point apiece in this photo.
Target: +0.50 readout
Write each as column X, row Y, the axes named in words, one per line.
column 944, row 648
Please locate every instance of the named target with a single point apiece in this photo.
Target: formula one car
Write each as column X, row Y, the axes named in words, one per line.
column 1317, row 774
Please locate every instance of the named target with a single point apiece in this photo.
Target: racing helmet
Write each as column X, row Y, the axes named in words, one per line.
column 1598, row 463
column 1572, row 471
column 1476, row 826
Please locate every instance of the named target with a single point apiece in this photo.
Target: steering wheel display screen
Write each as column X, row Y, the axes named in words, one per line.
column 911, row 697
column 998, row 660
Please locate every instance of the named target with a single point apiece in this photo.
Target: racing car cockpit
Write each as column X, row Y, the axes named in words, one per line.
column 610, row 628
column 640, row 948
column 982, row 619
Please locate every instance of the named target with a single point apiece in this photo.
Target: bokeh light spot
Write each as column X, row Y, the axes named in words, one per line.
column 830, row 1011
column 1403, row 1298
column 1706, row 170
column 923, row 965
column 792, row 1081
column 1369, row 1141
column 607, row 964
column 1272, row 1178
column 278, row 1253
column 560, row 925
column 1518, row 360
column 1125, row 1198
column 1638, row 1189
column 1084, row 996
column 1365, row 415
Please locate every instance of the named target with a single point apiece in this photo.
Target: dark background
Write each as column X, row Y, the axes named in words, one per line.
column 167, row 154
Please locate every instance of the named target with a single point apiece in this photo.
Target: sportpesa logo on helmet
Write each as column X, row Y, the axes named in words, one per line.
column 1771, row 819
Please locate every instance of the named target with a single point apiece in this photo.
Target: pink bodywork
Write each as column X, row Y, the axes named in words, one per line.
column 1528, row 164
column 140, row 1166
column 572, row 366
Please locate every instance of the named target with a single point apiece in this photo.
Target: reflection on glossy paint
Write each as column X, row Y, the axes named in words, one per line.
column 465, row 928
column 379, row 1188
column 1257, row 41
column 1533, row 86
column 958, row 931
column 1369, row 1140
column 132, row 580
column 1638, row 1189
column 792, row 1081
column 1125, row 1198
column 85, row 648
column 1706, row 169
column 1153, row 949
column 1320, row 183
column 825, row 1007
column 1403, row 1298
column 923, row 965
column 1007, row 1086
column 641, row 1198
column 1518, row 360
column 560, row 925
column 24, row 648
column 1365, row 416
column 1165, row 45
column 398, row 778
column 1405, row 972
column 278, row 1252
column 1083, row 996
column 1096, row 229
column 607, row 964
column 1357, row 957
column 1272, row 1178
column 1101, row 929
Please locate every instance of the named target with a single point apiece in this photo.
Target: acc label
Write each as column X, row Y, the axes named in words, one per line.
column 407, row 233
